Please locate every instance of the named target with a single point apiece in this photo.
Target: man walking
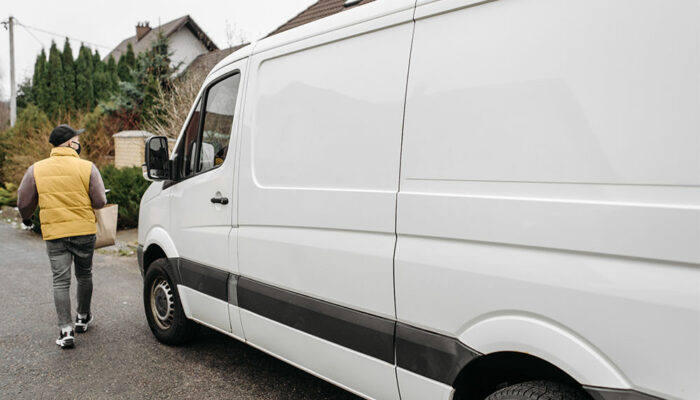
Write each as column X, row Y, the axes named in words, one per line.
column 66, row 189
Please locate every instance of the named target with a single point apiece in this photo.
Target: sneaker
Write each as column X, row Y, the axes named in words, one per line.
column 66, row 340
column 81, row 324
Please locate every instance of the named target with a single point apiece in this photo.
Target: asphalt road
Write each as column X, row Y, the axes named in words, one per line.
column 119, row 357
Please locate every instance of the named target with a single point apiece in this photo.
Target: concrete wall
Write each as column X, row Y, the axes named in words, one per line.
column 129, row 148
column 129, row 151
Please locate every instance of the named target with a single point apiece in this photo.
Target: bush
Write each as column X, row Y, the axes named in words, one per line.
column 126, row 188
column 36, row 222
column 24, row 143
column 28, row 141
column 8, row 194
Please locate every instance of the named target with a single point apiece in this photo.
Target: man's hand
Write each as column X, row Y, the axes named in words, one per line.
column 27, row 222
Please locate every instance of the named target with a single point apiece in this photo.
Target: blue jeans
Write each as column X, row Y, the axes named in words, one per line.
column 62, row 253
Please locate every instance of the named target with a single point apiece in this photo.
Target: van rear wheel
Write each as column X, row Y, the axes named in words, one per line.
column 539, row 390
column 164, row 312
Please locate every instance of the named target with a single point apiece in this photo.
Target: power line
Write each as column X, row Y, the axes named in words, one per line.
column 59, row 35
column 33, row 35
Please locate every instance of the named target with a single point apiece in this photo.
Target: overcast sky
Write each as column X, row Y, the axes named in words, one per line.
column 106, row 23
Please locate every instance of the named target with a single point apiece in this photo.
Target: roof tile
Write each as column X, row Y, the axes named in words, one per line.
column 316, row 11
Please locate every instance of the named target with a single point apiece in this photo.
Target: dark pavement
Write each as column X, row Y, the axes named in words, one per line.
column 119, row 357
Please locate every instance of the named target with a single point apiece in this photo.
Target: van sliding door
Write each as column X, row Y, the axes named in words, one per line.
column 319, row 176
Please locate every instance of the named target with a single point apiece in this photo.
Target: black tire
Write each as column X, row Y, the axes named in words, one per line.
column 539, row 390
column 164, row 312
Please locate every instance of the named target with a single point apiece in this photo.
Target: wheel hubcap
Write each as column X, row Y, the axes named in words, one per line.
column 162, row 303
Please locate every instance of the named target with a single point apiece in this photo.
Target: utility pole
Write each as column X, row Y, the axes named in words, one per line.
column 13, row 91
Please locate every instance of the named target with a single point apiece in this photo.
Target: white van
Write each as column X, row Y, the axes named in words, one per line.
column 450, row 199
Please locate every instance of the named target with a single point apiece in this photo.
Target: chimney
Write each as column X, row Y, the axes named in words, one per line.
column 142, row 29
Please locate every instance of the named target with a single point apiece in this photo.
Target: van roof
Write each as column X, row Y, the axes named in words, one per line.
column 354, row 15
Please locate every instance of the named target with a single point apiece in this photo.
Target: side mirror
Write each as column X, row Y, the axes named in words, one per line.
column 157, row 163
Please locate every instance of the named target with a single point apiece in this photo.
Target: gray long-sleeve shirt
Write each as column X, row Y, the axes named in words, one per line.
column 28, row 197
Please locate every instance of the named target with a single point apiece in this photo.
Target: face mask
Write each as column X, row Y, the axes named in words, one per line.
column 78, row 149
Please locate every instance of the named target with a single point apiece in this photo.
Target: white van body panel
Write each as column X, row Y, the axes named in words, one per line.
column 547, row 341
column 158, row 235
column 551, row 186
column 318, row 184
column 205, row 309
column 417, row 387
column 345, row 368
column 154, row 220
column 321, row 258
column 234, row 314
column 318, row 181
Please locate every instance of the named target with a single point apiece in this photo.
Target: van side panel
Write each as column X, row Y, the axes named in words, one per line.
column 320, row 165
column 551, row 174
column 318, row 179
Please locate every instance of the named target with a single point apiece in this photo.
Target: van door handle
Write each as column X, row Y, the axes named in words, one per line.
column 219, row 200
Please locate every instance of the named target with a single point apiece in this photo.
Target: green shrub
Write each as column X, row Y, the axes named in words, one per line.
column 8, row 194
column 36, row 222
column 126, row 188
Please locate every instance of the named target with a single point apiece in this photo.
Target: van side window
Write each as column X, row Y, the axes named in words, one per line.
column 189, row 144
column 218, row 120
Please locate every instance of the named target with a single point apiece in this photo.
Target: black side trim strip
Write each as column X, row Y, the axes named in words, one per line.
column 173, row 269
column 139, row 257
column 432, row 355
column 365, row 333
column 233, row 289
column 429, row 354
column 208, row 280
column 598, row 393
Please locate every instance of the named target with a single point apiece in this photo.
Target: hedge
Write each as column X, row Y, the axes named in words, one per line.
column 126, row 188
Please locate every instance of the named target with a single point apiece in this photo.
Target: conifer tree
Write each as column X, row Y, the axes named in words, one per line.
column 99, row 77
column 112, row 74
column 130, row 56
column 84, row 97
column 123, row 69
column 39, row 87
column 68, row 75
column 55, row 82
column 151, row 74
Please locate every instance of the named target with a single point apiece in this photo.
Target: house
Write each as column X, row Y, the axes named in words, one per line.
column 318, row 10
column 187, row 41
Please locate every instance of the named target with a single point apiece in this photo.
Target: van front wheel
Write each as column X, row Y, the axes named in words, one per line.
column 539, row 390
column 164, row 312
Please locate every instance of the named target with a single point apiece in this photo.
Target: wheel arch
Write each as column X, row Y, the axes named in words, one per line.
column 158, row 244
column 491, row 372
column 158, row 241
column 518, row 347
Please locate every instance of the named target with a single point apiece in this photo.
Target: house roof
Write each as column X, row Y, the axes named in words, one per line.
column 205, row 62
column 168, row 29
column 316, row 11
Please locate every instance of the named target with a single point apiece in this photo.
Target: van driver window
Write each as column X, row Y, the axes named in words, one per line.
column 189, row 145
column 218, row 119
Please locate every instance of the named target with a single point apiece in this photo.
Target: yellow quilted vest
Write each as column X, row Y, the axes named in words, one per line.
column 63, row 184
